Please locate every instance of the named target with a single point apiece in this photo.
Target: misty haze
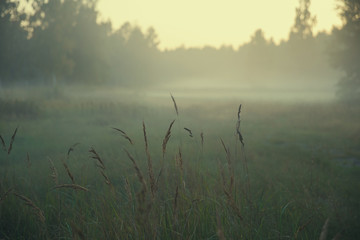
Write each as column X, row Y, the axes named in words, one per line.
column 108, row 131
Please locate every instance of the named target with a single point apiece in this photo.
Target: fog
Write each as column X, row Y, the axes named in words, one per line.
column 104, row 135
column 45, row 55
column 42, row 49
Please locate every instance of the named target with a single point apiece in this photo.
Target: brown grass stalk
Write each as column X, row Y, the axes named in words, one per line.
column 72, row 148
column 12, row 140
column 107, row 180
column 72, row 186
column 128, row 189
column 175, row 105
column 150, row 168
column 189, row 131
column 245, row 165
column 37, row 211
column 238, row 127
column 68, row 172
column 3, row 144
column 232, row 204
column 230, row 167
column 166, row 138
column 124, row 135
column 175, row 207
column 137, row 169
column 54, row 174
column 228, row 191
column 143, row 208
column 96, row 156
column 179, row 161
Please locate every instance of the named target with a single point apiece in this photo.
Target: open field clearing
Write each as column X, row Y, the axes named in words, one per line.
column 81, row 168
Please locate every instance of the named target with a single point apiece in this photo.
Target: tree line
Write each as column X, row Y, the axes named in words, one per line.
column 61, row 40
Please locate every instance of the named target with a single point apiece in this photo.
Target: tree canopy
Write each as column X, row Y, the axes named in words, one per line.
column 345, row 51
column 64, row 40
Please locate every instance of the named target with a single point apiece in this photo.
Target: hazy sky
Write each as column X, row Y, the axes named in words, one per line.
column 214, row 22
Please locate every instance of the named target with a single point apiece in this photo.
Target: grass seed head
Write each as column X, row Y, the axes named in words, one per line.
column 166, row 138
column 37, row 211
column 124, row 135
column 12, row 140
column 175, row 105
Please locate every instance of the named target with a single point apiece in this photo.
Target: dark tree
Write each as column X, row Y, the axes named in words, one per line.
column 345, row 51
column 304, row 21
column 12, row 42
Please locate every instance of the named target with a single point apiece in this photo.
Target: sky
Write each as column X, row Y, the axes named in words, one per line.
column 195, row 23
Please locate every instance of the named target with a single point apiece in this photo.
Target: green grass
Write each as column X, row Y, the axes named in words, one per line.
column 297, row 157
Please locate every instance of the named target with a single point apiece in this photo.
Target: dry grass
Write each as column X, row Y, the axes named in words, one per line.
column 96, row 156
column 128, row 189
column 3, row 144
column 153, row 186
column 54, row 173
column 238, row 127
column 37, row 211
column 124, row 135
column 72, row 148
column 107, row 180
column 229, row 190
column 72, row 186
column 166, row 138
column 12, row 140
column 175, row 105
column 68, row 172
column 230, row 168
column 137, row 169
column 175, row 206
column 189, row 131
column 143, row 207
column 173, row 212
column 179, row 161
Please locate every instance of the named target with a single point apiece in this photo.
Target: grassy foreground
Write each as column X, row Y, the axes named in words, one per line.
column 108, row 170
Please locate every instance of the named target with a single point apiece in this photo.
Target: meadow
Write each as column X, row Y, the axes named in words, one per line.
column 85, row 167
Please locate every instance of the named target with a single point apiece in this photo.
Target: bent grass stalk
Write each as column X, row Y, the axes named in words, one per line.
column 68, row 171
column 72, row 186
column 124, row 135
column 12, row 140
column 96, row 156
column 37, row 211
column 3, row 143
column 72, row 148
column 229, row 190
column 166, row 139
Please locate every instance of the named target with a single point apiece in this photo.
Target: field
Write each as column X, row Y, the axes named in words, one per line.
column 70, row 175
